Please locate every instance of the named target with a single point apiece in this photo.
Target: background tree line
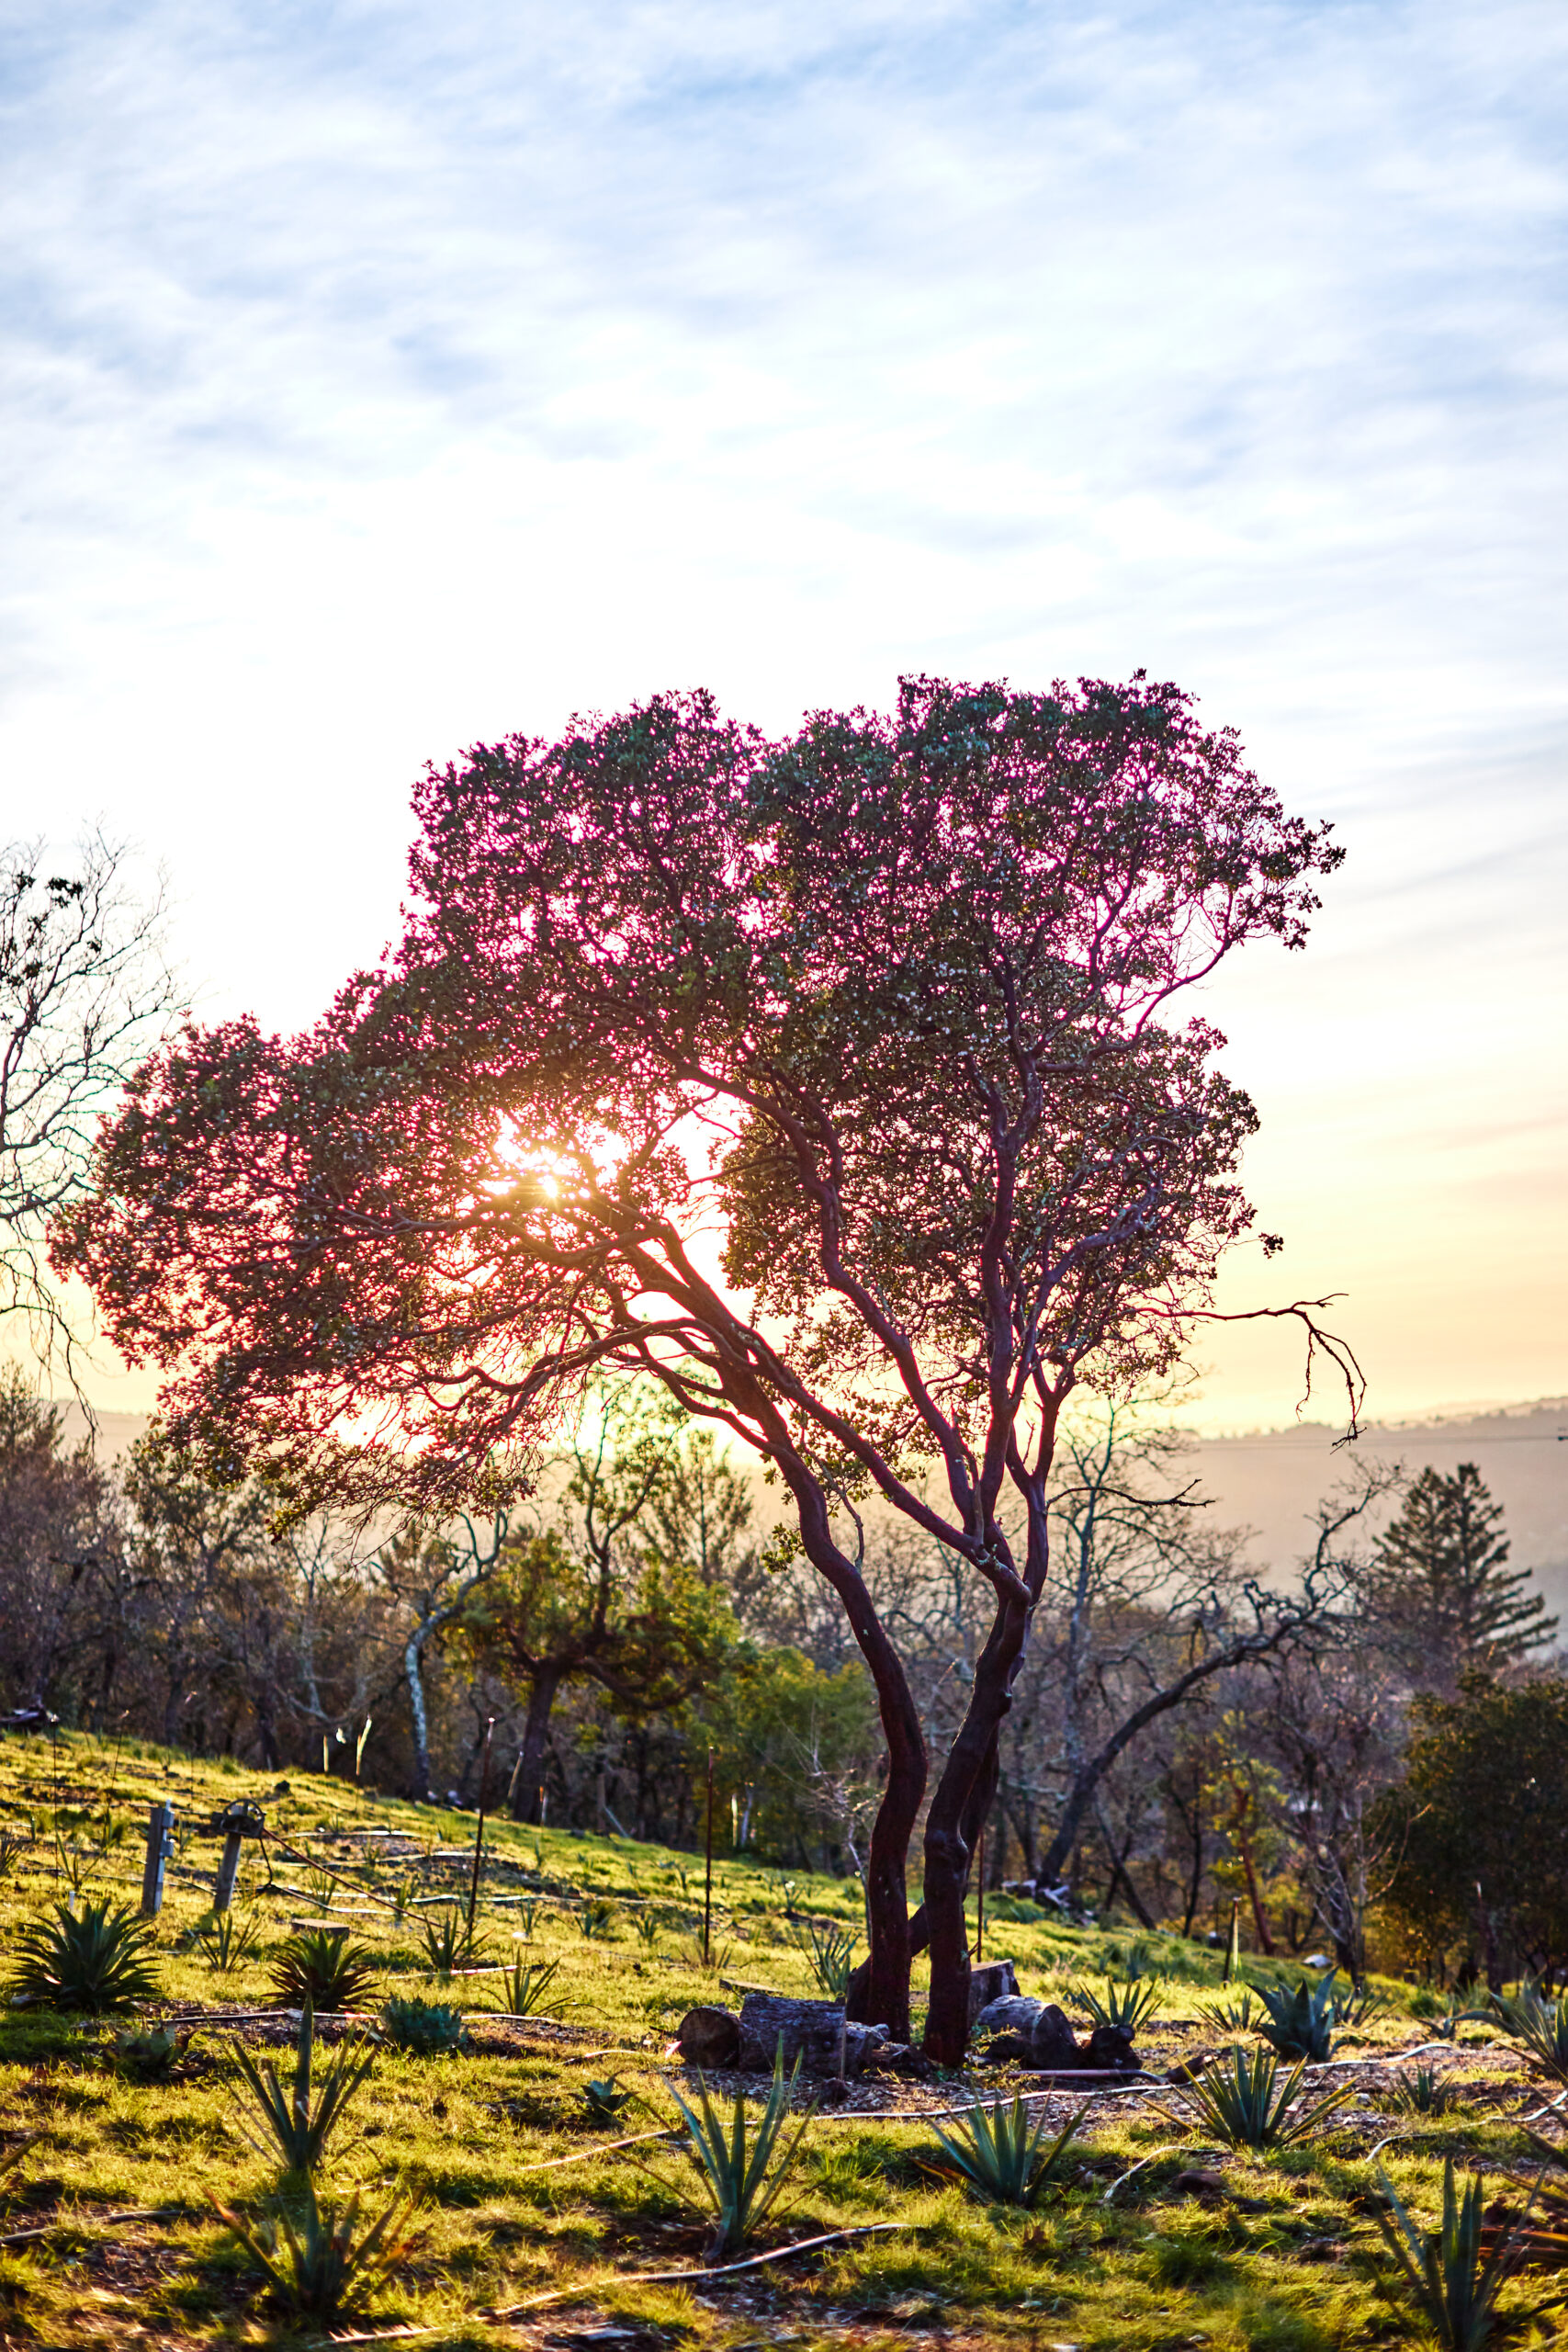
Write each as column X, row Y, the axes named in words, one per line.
column 1373, row 1763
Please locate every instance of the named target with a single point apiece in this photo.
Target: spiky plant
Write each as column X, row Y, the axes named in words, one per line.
column 596, row 1917
column 1238, row 2016
column 426, row 2028
column 150, row 2057
column 741, row 2172
column 605, row 2101
column 1127, row 2001
column 1301, row 2021
column 525, row 1985
column 94, row 1959
column 1454, row 2279
column 227, row 1939
column 321, row 1967
column 1240, row 2101
column 1004, row 2160
column 450, row 1943
column 1540, row 2024
column 1422, row 2091
column 647, row 1929
column 298, row 2127
column 828, row 1951
column 318, row 2268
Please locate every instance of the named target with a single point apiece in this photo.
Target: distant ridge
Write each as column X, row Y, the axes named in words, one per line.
column 1271, row 1480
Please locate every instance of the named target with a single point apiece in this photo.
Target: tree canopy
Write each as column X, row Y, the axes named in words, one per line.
column 834, row 1082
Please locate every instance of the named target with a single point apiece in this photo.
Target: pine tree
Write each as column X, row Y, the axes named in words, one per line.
column 1438, row 1582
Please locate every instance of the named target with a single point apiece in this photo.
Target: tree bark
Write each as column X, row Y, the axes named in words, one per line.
column 535, row 1732
column 420, row 1718
column 958, row 1810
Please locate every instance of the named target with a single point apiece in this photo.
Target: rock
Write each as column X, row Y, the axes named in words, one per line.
column 994, row 1980
column 709, row 2037
column 810, row 2030
column 1110, row 2047
column 902, row 2058
column 1011, row 2013
column 1030, row 2033
column 1054, row 2043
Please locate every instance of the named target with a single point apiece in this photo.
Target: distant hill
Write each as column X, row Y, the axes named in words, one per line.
column 1270, row 1480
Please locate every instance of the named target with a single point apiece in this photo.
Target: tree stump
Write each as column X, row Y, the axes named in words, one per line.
column 995, row 1980
column 809, row 2030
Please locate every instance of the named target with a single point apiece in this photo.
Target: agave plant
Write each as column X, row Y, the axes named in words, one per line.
column 227, row 1939
column 150, row 2056
column 1004, row 2160
column 1236, row 2015
column 316, row 2268
column 711, row 1961
column 426, row 2028
column 596, row 1917
column 94, row 1959
column 1299, row 2023
column 1422, row 2092
column 321, row 1967
column 300, row 2130
column 605, row 2101
column 828, row 1951
column 647, row 1929
column 1236, row 2100
column 525, row 1985
column 1541, row 2025
column 1455, row 2279
column 451, row 1943
column 741, row 2173
column 1127, row 2002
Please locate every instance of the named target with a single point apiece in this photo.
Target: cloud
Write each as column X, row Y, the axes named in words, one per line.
column 383, row 377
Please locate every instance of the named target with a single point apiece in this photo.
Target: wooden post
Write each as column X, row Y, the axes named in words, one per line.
column 160, row 1846
column 707, row 1874
column 479, row 1832
column 228, row 1871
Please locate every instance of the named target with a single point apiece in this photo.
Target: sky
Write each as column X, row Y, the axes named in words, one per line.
column 382, row 378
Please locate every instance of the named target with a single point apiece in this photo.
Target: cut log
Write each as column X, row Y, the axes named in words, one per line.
column 810, row 2030
column 709, row 2037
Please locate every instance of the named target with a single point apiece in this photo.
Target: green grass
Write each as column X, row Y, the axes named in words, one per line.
column 1286, row 2258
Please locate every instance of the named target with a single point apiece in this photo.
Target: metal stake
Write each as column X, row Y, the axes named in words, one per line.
column 708, row 1875
column 479, row 1832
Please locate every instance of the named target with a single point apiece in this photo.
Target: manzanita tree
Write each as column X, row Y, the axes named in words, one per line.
column 837, row 1083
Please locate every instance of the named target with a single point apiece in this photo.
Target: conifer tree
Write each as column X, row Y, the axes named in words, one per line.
column 1438, row 1583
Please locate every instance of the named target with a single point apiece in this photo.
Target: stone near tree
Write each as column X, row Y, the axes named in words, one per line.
column 810, row 2030
column 709, row 2037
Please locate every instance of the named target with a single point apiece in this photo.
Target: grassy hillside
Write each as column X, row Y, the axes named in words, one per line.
column 1154, row 2236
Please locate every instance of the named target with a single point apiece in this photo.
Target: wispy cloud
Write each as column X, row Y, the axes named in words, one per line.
column 383, row 376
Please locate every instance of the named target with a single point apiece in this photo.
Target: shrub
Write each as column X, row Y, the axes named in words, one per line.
column 94, row 1959
column 320, row 1966
column 451, row 1943
column 1125, row 2004
column 1238, row 2102
column 426, row 2026
column 1541, row 2025
column 1002, row 2160
column 298, row 2130
column 524, row 1986
column 1299, row 2023
column 314, row 2269
column 227, row 1939
column 605, row 2101
column 1454, row 2280
column 830, row 1952
column 741, row 2173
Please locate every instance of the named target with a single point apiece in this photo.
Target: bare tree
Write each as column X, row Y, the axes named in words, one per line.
column 85, row 994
